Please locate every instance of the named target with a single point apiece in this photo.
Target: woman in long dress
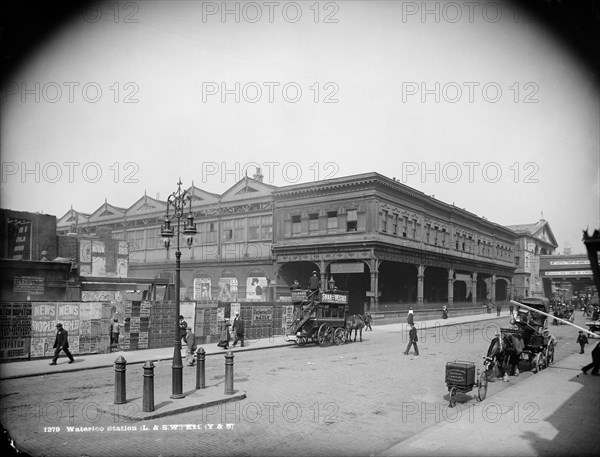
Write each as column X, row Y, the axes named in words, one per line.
column 225, row 336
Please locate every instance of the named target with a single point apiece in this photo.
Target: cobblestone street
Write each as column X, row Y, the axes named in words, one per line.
column 354, row 399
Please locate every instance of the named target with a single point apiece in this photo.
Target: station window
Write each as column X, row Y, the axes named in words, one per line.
column 296, row 226
column 384, row 220
column 313, row 222
column 332, row 221
column 352, row 221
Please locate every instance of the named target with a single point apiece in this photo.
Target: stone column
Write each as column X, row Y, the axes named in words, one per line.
column 450, row 286
column 493, row 291
column 474, row 287
column 420, row 280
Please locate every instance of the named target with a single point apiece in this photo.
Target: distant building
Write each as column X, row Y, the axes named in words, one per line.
column 30, row 267
column 533, row 241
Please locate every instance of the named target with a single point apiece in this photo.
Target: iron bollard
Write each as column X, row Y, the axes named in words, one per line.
column 229, row 373
column 200, row 373
column 120, row 391
column 148, row 401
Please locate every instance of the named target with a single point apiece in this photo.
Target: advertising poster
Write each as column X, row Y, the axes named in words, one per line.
column 43, row 324
column 202, row 289
column 188, row 311
column 235, row 308
column 98, row 259
column 19, row 239
column 15, row 330
column 262, row 313
column 228, row 289
column 256, row 287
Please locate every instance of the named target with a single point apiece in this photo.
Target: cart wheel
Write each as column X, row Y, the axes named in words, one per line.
column 452, row 396
column 325, row 334
column 339, row 336
column 538, row 363
column 482, row 386
column 550, row 354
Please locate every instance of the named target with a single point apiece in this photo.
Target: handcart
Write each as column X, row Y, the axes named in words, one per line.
column 461, row 377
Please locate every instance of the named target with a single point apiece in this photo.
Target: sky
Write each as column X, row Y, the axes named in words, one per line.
column 475, row 103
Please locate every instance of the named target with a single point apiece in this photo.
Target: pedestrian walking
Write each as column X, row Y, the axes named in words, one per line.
column 410, row 319
column 498, row 309
column 182, row 328
column 61, row 343
column 225, row 337
column 190, row 340
column 412, row 340
column 445, row 312
column 595, row 365
column 368, row 321
column 115, row 332
column 238, row 330
column 582, row 340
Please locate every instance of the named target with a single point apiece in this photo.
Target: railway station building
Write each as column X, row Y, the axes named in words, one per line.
column 388, row 244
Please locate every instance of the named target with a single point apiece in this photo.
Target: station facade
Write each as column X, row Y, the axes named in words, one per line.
column 389, row 245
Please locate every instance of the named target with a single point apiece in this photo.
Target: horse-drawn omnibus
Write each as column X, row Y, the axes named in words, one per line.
column 319, row 317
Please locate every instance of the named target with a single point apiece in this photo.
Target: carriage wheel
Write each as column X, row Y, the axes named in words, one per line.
column 538, row 362
column 339, row 336
column 550, row 354
column 325, row 334
column 482, row 386
column 452, row 396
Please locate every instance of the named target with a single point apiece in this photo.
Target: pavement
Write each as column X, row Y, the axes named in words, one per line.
column 554, row 412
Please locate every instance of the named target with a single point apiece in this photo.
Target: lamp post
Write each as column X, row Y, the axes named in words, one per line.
column 178, row 200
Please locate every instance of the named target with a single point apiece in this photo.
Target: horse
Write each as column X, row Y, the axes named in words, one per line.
column 355, row 322
column 504, row 354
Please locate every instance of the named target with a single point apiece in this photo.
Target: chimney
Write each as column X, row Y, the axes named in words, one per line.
column 258, row 176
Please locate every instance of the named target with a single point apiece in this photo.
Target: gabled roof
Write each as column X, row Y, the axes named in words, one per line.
column 107, row 212
column 72, row 217
column 247, row 188
column 540, row 230
column 202, row 197
column 146, row 205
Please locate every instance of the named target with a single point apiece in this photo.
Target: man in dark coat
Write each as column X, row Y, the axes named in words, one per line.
column 410, row 320
column 595, row 365
column 238, row 330
column 412, row 340
column 61, row 343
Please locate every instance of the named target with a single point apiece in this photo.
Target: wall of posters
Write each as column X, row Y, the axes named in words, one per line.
column 28, row 329
column 256, row 288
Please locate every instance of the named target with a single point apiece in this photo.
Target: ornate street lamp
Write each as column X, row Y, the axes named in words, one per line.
column 178, row 200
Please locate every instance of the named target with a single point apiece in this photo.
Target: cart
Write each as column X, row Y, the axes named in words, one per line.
column 319, row 317
column 461, row 377
column 529, row 339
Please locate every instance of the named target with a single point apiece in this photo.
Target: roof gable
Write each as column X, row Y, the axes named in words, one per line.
column 540, row 230
column 72, row 217
column 202, row 197
column 146, row 205
column 247, row 188
column 106, row 212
